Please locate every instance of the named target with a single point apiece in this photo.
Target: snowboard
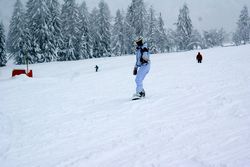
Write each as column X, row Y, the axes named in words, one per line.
column 137, row 98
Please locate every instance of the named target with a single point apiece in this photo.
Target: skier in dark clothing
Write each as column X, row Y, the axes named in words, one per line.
column 96, row 68
column 199, row 57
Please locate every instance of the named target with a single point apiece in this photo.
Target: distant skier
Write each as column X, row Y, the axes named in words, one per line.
column 141, row 68
column 96, row 68
column 199, row 57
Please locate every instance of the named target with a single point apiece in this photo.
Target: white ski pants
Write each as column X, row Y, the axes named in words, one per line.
column 141, row 74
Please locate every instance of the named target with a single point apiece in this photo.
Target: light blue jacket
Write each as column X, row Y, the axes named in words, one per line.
column 139, row 53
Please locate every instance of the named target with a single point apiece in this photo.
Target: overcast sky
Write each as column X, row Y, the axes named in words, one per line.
column 205, row 14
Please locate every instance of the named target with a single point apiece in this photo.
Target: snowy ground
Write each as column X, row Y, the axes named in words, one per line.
column 194, row 115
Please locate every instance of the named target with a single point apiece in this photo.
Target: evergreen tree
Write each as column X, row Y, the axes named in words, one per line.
column 104, row 22
column 18, row 41
column 184, row 29
column 55, row 27
column 117, row 42
column 214, row 37
column 136, row 24
column 85, row 32
column 71, row 31
column 209, row 38
column 196, row 41
column 152, row 32
column 38, row 21
column 26, row 49
column 16, row 32
column 3, row 59
column 95, row 36
column 236, row 39
column 243, row 28
column 171, row 44
column 221, row 37
column 139, row 17
column 162, row 42
column 129, row 31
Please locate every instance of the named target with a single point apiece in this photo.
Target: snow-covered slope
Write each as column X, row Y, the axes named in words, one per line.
column 194, row 115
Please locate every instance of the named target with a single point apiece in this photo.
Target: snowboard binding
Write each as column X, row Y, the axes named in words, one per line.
column 139, row 95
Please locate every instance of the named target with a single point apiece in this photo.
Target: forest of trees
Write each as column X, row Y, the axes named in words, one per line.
column 46, row 31
column 2, row 46
column 242, row 34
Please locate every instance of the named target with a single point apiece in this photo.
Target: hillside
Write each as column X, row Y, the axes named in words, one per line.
column 194, row 115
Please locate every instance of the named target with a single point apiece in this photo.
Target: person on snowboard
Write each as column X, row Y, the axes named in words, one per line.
column 199, row 57
column 141, row 68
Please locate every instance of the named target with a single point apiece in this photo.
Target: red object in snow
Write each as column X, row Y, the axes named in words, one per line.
column 21, row 71
column 30, row 74
column 18, row 72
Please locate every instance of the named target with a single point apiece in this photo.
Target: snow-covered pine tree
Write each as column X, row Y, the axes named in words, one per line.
column 3, row 56
column 38, row 21
column 243, row 29
column 129, row 31
column 86, row 47
column 139, row 17
column 95, row 36
column 16, row 32
column 196, row 40
column 236, row 39
column 152, row 31
column 214, row 37
column 104, row 29
column 136, row 24
column 26, row 49
column 184, row 29
column 55, row 27
column 221, row 37
column 171, row 44
column 70, row 30
column 117, row 40
column 161, row 36
column 209, row 38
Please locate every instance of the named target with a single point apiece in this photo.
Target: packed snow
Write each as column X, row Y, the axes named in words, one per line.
column 194, row 115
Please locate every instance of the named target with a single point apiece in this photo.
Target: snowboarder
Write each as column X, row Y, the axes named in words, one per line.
column 141, row 68
column 96, row 68
column 199, row 57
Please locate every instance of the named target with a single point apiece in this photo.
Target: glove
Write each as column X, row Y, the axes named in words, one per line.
column 135, row 71
column 143, row 61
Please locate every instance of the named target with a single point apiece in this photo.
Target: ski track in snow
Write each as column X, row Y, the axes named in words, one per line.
column 194, row 115
column 5, row 136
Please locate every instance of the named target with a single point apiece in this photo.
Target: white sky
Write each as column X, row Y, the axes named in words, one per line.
column 205, row 14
